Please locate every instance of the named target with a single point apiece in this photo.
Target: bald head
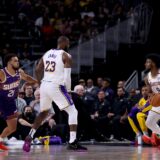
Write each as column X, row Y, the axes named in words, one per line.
column 63, row 43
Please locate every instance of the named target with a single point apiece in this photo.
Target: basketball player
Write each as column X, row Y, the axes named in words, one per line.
column 10, row 77
column 153, row 80
column 55, row 86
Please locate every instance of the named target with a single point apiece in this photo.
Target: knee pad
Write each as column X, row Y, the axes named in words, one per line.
column 72, row 115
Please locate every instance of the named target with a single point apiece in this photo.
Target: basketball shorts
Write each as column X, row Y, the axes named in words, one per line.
column 58, row 94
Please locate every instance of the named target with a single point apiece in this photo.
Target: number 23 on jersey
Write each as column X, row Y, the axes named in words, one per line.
column 50, row 66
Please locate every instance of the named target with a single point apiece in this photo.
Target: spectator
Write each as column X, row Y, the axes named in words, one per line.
column 102, row 108
column 84, row 120
column 82, row 82
column 25, row 121
column 99, row 82
column 106, row 87
column 133, row 98
column 28, row 94
column 91, row 89
column 121, row 84
column 119, row 120
column 20, row 103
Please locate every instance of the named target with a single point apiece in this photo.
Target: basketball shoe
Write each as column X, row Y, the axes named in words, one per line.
column 146, row 139
column 3, row 147
column 76, row 146
column 154, row 139
column 27, row 144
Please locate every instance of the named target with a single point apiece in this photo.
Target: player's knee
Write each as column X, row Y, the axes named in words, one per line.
column 138, row 115
column 72, row 114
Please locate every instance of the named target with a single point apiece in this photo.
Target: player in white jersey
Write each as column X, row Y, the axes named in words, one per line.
column 55, row 86
column 153, row 80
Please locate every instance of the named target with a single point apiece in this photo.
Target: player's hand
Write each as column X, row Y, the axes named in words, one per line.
column 109, row 115
column 92, row 116
column 122, row 119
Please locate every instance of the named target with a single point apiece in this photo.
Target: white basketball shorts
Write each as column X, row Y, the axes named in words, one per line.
column 50, row 92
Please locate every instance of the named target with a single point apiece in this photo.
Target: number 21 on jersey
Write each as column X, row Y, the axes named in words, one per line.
column 50, row 66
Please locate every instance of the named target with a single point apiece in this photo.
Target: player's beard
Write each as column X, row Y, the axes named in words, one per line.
column 15, row 68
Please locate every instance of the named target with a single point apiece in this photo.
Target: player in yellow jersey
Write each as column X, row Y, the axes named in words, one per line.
column 139, row 113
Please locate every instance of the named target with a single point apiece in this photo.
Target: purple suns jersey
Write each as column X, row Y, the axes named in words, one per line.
column 9, row 87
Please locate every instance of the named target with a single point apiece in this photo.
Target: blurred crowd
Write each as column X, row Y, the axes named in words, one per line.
column 42, row 21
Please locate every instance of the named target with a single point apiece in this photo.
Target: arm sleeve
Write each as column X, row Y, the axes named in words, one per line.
column 67, row 78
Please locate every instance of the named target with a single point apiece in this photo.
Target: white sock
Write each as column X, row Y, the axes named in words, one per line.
column 1, row 139
column 32, row 132
column 138, row 134
column 72, row 136
column 145, row 133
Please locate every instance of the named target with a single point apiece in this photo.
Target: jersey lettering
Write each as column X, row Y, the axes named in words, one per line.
column 11, row 93
column 50, row 66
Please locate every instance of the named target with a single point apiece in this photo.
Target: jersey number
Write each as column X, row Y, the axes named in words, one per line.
column 11, row 93
column 50, row 66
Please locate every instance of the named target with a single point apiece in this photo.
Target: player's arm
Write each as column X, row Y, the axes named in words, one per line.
column 39, row 70
column 2, row 78
column 67, row 60
column 27, row 77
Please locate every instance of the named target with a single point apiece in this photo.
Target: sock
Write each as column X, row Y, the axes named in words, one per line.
column 72, row 136
column 32, row 132
column 1, row 139
column 145, row 133
column 138, row 134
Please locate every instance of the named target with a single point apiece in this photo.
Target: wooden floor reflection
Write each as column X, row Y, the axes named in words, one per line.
column 95, row 152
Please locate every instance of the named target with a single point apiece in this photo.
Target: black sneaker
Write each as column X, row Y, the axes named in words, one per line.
column 76, row 146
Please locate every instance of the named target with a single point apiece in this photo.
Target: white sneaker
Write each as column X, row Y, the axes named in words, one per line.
column 37, row 141
column 12, row 139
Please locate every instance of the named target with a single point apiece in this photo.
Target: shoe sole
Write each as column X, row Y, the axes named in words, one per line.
column 77, row 150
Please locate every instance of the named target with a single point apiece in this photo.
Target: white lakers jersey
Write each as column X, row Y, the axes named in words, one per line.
column 154, row 82
column 54, row 66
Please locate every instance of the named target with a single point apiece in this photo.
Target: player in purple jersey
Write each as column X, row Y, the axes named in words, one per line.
column 10, row 77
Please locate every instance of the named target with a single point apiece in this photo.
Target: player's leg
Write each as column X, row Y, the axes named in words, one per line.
column 45, row 105
column 132, row 121
column 151, row 122
column 141, row 117
column 11, row 127
column 132, row 118
column 64, row 102
column 9, row 113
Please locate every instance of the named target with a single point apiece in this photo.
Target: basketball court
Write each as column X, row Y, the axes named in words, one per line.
column 95, row 152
